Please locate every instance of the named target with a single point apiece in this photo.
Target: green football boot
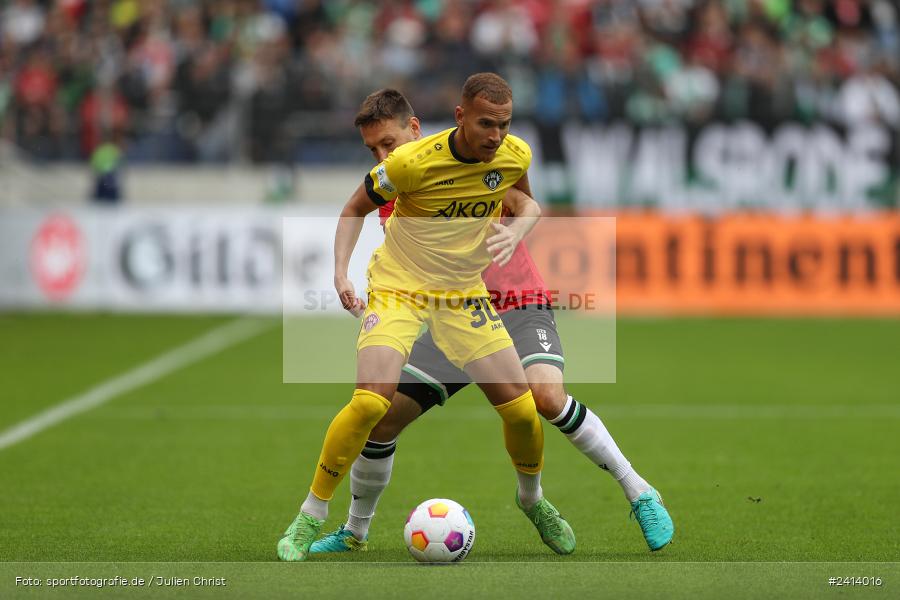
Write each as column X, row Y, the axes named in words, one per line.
column 339, row 541
column 298, row 537
column 554, row 529
column 654, row 519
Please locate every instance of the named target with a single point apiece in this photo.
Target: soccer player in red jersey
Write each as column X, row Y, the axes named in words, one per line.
column 518, row 293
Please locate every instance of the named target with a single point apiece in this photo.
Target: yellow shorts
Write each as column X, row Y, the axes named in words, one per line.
column 465, row 329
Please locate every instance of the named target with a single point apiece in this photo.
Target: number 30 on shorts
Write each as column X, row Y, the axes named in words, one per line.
column 482, row 311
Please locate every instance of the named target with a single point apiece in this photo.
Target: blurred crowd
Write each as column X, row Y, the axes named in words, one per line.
column 280, row 80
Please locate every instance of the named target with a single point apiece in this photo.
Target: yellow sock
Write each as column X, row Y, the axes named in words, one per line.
column 523, row 433
column 345, row 439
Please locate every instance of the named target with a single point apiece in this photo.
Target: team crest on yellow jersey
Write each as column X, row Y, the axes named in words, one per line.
column 493, row 179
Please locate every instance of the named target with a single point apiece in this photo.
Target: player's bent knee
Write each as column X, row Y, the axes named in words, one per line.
column 369, row 405
column 500, row 393
column 549, row 398
column 385, row 390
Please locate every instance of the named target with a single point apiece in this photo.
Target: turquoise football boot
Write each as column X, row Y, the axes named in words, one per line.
column 654, row 519
column 339, row 541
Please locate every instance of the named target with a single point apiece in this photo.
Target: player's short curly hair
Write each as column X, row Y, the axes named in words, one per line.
column 384, row 105
column 489, row 86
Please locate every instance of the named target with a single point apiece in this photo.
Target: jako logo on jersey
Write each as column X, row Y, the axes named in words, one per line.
column 370, row 322
column 384, row 182
column 493, row 179
column 445, row 182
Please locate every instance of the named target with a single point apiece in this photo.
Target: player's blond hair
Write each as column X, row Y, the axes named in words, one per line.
column 384, row 105
column 489, row 86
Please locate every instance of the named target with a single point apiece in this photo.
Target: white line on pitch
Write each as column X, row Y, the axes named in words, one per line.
column 692, row 412
column 205, row 345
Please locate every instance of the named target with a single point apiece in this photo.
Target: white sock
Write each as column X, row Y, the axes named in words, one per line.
column 369, row 476
column 633, row 484
column 315, row 506
column 587, row 433
column 530, row 492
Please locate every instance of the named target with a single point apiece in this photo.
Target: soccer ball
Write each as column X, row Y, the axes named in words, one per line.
column 439, row 531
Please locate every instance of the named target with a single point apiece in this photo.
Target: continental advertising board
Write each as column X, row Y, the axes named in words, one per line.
column 738, row 264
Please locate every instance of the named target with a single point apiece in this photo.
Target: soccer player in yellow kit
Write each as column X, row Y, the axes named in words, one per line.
column 385, row 121
column 450, row 189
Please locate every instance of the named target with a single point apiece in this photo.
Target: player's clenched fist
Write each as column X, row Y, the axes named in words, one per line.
column 344, row 287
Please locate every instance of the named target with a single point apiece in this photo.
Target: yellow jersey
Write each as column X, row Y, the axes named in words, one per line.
column 445, row 204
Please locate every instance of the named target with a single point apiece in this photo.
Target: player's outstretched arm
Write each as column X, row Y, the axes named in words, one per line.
column 349, row 227
column 525, row 211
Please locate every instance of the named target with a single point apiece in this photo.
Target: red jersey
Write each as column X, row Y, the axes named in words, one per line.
column 516, row 284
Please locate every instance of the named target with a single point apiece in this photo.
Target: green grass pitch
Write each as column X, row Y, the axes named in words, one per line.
column 775, row 443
